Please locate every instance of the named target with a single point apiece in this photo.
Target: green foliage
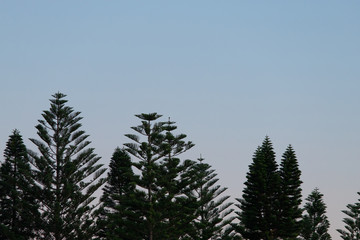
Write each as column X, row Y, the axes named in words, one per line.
column 352, row 222
column 167, row 211
column 67, row 171
column 174, row 207
column 119, row 216
column 259, row 204
column 290, row 196
column 270, row 205
column 19, row 216
column 157, row 196
column 212, row 214
column 315, row 222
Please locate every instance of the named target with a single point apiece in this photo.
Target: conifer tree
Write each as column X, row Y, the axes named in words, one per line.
column 290, row 196
column 212, row 214
column 259, row 204
column 315, row 222
column 67, row 171
column 19, row 216
column 352, row 222
column 160, row 175
column 119, row 216
column 175, row 206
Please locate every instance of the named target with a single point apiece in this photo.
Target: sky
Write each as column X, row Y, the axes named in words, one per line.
column 228, row 73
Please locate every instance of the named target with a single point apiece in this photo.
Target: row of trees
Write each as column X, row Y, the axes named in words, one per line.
column 149, row 192
column 270, row 204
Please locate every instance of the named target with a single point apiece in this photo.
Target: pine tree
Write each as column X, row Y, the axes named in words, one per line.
column 160, row 176
column 315, row 222
column 148, row 152
column 175, row 206
column 352, row 222
column 19, row 216
column 67, row 171
column 119, row 216
column 259, row 204
column 212, row 215
column 290, row 196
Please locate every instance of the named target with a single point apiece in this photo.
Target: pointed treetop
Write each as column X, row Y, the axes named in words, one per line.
column 289, row 151
column 15, row 141
column 58, row 98
column 267, row 141
column 290, row 148
column 201, row 159
column 16, row 132
column 267, row 145
column 266, row 150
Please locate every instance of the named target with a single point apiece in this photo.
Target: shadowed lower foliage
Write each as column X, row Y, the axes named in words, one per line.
column 19, row 215
column 119, row 215
column 260, row 204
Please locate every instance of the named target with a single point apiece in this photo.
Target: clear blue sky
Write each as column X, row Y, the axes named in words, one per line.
column 228, row 72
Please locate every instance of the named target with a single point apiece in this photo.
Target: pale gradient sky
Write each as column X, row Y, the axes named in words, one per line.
column 228, row 72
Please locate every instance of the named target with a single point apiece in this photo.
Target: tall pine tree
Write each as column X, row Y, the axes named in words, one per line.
column 67, row 171
column 259, row 204
column 352, row 222
column 160, row 176
column 148, row 152
column 175, row 207
column 119, row 217
column 290, row 196
column 19, row 215
column 315, row 222
column 213, row 211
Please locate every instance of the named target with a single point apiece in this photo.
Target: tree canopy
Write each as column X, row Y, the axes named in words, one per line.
column 151, row 191
column 67, row 171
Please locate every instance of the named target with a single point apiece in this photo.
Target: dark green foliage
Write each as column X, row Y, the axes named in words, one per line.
column 119, row 215
column 167, row 210
column 260, row 204
column 352, row 222
column 157, row 197
column 290, row 196
column 174, row 207
column 315, row 222
column 19, row 216
column 67, row 171
column 148, row 152
column 212, row 215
